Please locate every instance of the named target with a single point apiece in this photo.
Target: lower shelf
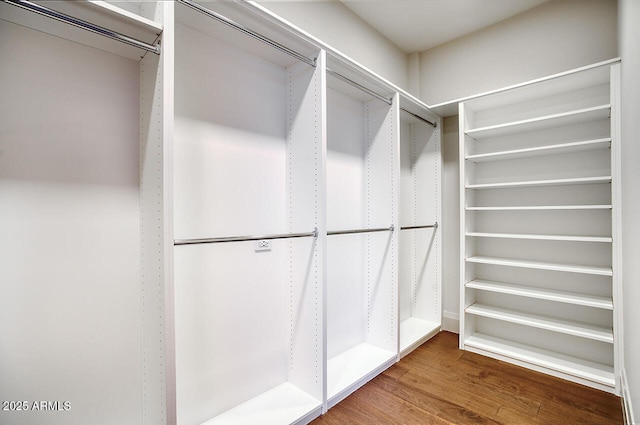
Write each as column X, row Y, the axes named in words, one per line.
column 583, row 330
column 414, row 331
column 351, row 369
column 283, row 404
column 580, row 369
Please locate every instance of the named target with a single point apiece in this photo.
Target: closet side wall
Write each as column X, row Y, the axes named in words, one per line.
column 630, row 110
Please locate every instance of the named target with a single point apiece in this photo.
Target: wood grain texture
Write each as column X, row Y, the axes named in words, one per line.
column 439, row 384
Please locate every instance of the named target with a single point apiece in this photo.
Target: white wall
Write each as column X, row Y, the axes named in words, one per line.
column 450, row 224
column 554, row 37
column 337, row 26
column 629, row 13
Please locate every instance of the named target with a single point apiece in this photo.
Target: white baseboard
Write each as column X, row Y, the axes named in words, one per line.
column 629, row 418
column 451, row 322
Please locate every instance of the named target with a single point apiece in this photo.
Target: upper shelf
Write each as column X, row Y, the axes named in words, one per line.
column 555, row 149
column 97, row 13
column 540, row 208
column 549, row 121
column 539, row 183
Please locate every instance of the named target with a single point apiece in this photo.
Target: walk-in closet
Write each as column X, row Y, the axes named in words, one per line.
column 222, row 212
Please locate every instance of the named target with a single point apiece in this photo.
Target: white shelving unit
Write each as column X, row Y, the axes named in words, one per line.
column 247, row 161
column 73, row 204
column 169, row 209
column 362, row 179
column 420, row 281
column 538, row 214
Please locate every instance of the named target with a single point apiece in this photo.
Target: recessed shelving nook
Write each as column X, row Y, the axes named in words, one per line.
column 538, row 218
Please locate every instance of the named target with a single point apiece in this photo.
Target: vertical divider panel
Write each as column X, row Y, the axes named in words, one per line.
column 156, row 235
column 306, row 138
column 382, row 176
column 462, row 118
column 616, row 220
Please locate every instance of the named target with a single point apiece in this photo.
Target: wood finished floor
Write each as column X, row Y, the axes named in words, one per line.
column 440, row 384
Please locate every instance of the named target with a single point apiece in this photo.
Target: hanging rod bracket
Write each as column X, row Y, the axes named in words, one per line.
column 432, row 124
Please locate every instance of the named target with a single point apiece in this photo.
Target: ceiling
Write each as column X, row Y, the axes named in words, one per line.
column 419, row 25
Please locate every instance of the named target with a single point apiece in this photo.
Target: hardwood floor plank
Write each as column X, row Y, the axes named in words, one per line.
column 441, row 408
column 439, row 384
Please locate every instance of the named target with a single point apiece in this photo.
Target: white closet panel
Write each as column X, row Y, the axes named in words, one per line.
column 247, row 161
column 69, row 230
column 361, row 268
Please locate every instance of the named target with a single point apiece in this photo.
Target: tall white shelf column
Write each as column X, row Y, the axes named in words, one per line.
column 539, row 269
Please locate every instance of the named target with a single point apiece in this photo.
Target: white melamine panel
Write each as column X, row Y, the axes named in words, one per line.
column 69, row 230
column 231, row 325
column 345, row 162
column 230, row 147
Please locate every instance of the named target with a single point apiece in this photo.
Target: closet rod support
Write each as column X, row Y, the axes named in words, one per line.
column 360, row 86
column 223, row 19
column 50, row 13
column 245, row 238
column 347, row 232
column 426, row 226
column 432, row 124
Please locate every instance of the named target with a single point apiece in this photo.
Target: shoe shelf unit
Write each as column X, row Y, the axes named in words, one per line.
column 420, row 248
column 539, row 280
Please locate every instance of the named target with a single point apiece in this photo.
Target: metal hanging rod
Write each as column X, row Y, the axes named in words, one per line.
column 360, row 86
column 346, row 232
column 432, row 124
column 50, row 13
column 427, row 226
column 245, row 238
column 250, row 32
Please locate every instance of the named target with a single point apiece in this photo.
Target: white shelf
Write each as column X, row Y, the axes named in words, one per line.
column 583, row 330
column 542, row 293
column 556, row 149
column 541, row 208
column 352, row 368
column 538, row 183
column 414, row 332
column 577, row 367
column 283, row 404
column 568, row 238
column 549, row 121
column 571, row 268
